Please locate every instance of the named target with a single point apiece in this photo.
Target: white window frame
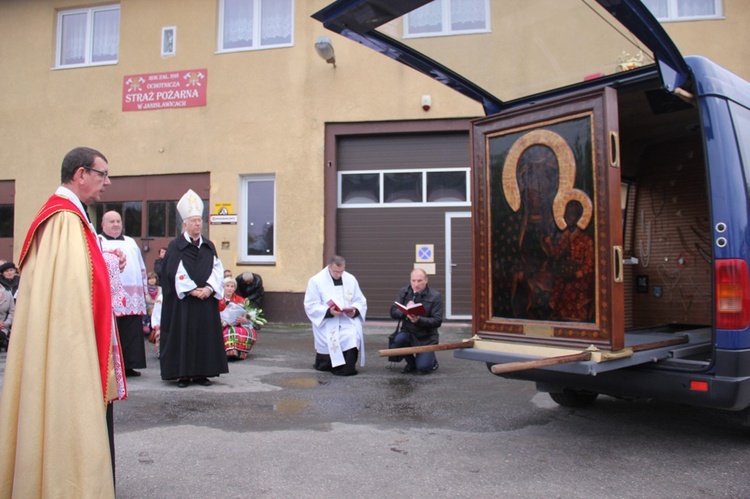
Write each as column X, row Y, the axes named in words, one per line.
column 446, row 22
column 423, row 203
column 242, row 255
column 168, row 41
column 257, row 18
column 673, row 12
column 89, row 37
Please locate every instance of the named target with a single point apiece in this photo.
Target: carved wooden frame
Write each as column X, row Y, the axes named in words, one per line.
column 525, row 127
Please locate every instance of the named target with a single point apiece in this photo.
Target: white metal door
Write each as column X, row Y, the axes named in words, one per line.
column 458, row 265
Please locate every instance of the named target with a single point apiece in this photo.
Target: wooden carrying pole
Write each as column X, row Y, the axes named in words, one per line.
column 534, row 364
column 395, row 352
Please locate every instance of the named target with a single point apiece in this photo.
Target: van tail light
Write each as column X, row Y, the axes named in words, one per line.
column 732, row 294
column 698, row 386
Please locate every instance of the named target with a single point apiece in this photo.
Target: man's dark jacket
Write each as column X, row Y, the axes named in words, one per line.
column 425, row 331
column 252, row 291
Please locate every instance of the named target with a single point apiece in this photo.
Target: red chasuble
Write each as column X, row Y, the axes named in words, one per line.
column 100, row 287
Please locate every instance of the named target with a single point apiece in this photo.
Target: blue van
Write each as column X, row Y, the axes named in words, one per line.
column 610, row 194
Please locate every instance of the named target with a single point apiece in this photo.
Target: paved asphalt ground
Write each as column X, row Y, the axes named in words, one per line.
column 274, row 427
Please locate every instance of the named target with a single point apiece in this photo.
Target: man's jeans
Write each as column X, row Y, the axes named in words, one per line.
column 422, row 362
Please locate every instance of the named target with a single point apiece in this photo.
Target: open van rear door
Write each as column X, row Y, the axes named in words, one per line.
column 630, row 26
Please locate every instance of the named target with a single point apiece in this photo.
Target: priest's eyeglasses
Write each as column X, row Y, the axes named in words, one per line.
column 101, row 173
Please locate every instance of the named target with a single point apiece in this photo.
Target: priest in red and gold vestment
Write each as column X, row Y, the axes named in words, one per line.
column 63, row 367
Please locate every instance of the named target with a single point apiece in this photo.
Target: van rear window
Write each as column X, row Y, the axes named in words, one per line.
column 741, row 119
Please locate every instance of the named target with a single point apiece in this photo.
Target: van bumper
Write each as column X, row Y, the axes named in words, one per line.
column 643, row 381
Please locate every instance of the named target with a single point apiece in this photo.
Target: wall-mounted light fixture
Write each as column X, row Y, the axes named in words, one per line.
column 324, row 48
column 146, row 243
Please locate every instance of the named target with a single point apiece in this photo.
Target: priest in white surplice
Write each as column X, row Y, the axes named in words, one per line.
column 130, row 307
column 337, row 308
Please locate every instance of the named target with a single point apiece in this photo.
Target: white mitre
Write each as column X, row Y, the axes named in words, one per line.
column 190, row 205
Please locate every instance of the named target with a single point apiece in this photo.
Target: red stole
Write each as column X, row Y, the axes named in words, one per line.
column 101, row 293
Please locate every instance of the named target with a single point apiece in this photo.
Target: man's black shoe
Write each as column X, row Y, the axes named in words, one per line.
column 132, row 373
column 435, row 367
column 183, row 383
column 408, row 369
column 202, row 381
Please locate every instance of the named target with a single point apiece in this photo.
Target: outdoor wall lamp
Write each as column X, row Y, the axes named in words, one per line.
column 324, row 48
column 146, row 243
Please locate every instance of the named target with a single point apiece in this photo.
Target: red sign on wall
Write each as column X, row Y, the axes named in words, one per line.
column 164, row 90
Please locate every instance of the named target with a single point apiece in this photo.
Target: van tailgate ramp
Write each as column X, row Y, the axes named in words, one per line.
column 640, row 348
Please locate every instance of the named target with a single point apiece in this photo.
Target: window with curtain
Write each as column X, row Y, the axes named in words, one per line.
column 88, row 37
column 448, row 17
column 681, row 10
column 255, row 24
column 257, row 219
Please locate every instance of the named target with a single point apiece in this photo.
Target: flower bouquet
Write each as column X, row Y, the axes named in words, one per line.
column 254, row 314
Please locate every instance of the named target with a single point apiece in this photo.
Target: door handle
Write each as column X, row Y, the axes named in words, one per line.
column 617, row 262
column 614, row 150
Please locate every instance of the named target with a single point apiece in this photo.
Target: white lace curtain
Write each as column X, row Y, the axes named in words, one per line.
column 427, row 19
column 238, row 23
column 694, row 8
column 239, row 19
column 685, row 8
column 73, row 39
column 468, row 14
column 276, row 22
column 105, row 39
column 464, row 14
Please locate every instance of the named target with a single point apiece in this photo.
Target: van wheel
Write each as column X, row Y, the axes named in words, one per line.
column 574, row 398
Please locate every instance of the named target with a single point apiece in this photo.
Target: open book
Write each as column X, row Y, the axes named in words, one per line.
column 413, row 309
column 332, row 304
